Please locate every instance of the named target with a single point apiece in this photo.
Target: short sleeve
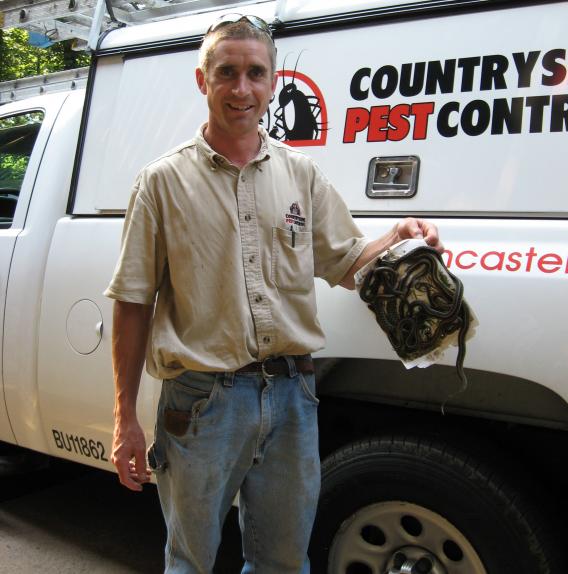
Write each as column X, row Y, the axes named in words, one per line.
column 337, row 240
column 142, row 261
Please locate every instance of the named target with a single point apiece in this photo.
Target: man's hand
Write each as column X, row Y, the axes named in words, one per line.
column 129, row 336
column 411, row 228
column 129, row 454
column 408, row 228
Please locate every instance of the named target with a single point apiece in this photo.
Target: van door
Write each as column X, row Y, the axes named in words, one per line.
column 18, row 135
column 27, row 143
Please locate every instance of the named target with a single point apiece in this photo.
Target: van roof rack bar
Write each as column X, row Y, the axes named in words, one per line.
column 279, row 10
column 97, row 24
column 14, row 90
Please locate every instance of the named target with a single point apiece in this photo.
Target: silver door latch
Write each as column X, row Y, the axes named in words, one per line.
column 395, row 176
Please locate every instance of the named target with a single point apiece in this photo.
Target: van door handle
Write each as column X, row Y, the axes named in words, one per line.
column 395, row 176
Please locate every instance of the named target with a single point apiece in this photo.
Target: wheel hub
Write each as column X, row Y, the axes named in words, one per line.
column 414, row 560
column 397, row 537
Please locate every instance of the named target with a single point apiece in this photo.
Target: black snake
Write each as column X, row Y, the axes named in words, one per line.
column 417, row 302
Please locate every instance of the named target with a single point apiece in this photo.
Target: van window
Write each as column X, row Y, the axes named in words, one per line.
column 18, row 134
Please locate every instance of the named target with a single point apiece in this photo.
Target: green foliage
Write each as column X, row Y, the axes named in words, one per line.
column 16, row 144
column 12, row 171
column 19, row 120
column 18, row 59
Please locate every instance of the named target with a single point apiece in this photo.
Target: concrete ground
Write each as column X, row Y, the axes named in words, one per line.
column 70, row 519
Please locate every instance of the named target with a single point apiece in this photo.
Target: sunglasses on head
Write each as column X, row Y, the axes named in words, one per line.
column 255, row 21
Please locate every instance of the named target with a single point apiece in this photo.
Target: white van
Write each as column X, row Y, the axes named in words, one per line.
column 453, row 110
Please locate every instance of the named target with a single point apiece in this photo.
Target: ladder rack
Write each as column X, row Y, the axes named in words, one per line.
column 14, row 90
column 84, row 20
column 58, row 20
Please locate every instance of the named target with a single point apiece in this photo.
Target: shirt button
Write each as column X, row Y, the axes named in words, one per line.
column 247, row 217
column 243, row 178
column 266, row 340
column 251, row 259
column 258, row 298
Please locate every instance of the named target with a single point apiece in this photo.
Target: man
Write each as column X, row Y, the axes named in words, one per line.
column 234, row 322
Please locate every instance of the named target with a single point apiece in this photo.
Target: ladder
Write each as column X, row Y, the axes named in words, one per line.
column 83, row 20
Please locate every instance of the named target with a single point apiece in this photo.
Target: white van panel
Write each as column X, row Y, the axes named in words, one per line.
column 76, row 390
column 197, row 23
column 100, row 130
column 515, row 306
column 9, row 236
column 156, row 121
column 507, row 176
column 182, row 27
column 298, row 9
column 54, row 147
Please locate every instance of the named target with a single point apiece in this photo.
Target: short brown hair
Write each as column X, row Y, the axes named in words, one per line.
column 240, row 30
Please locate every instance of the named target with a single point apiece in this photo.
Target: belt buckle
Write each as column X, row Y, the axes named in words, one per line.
column 265, row 373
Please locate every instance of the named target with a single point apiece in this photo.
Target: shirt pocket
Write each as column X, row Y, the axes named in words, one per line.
column 292, row 260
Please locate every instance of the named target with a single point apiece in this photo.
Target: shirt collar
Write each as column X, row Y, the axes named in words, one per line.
column 216, row 159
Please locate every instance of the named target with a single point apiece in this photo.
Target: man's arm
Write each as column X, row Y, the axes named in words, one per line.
column 406, row 229
column 131, row 322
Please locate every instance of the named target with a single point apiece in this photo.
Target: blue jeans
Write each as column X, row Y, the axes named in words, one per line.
column 219, row 434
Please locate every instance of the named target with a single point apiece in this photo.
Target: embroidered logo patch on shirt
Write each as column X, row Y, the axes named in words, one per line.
column 294, row 216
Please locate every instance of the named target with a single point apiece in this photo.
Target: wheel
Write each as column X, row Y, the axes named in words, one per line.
column 401, row 504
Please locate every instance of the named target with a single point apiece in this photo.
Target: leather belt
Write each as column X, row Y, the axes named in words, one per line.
column 278, row 366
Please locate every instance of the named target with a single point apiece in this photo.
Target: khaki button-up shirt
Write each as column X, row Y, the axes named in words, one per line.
column 231, row 255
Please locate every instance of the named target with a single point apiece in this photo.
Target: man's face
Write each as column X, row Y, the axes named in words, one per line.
column 238, row 85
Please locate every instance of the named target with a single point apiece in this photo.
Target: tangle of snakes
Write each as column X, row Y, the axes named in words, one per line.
column 417, row 302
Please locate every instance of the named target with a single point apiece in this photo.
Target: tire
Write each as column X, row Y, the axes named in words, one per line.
column 15, row 460
column 402, row 504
